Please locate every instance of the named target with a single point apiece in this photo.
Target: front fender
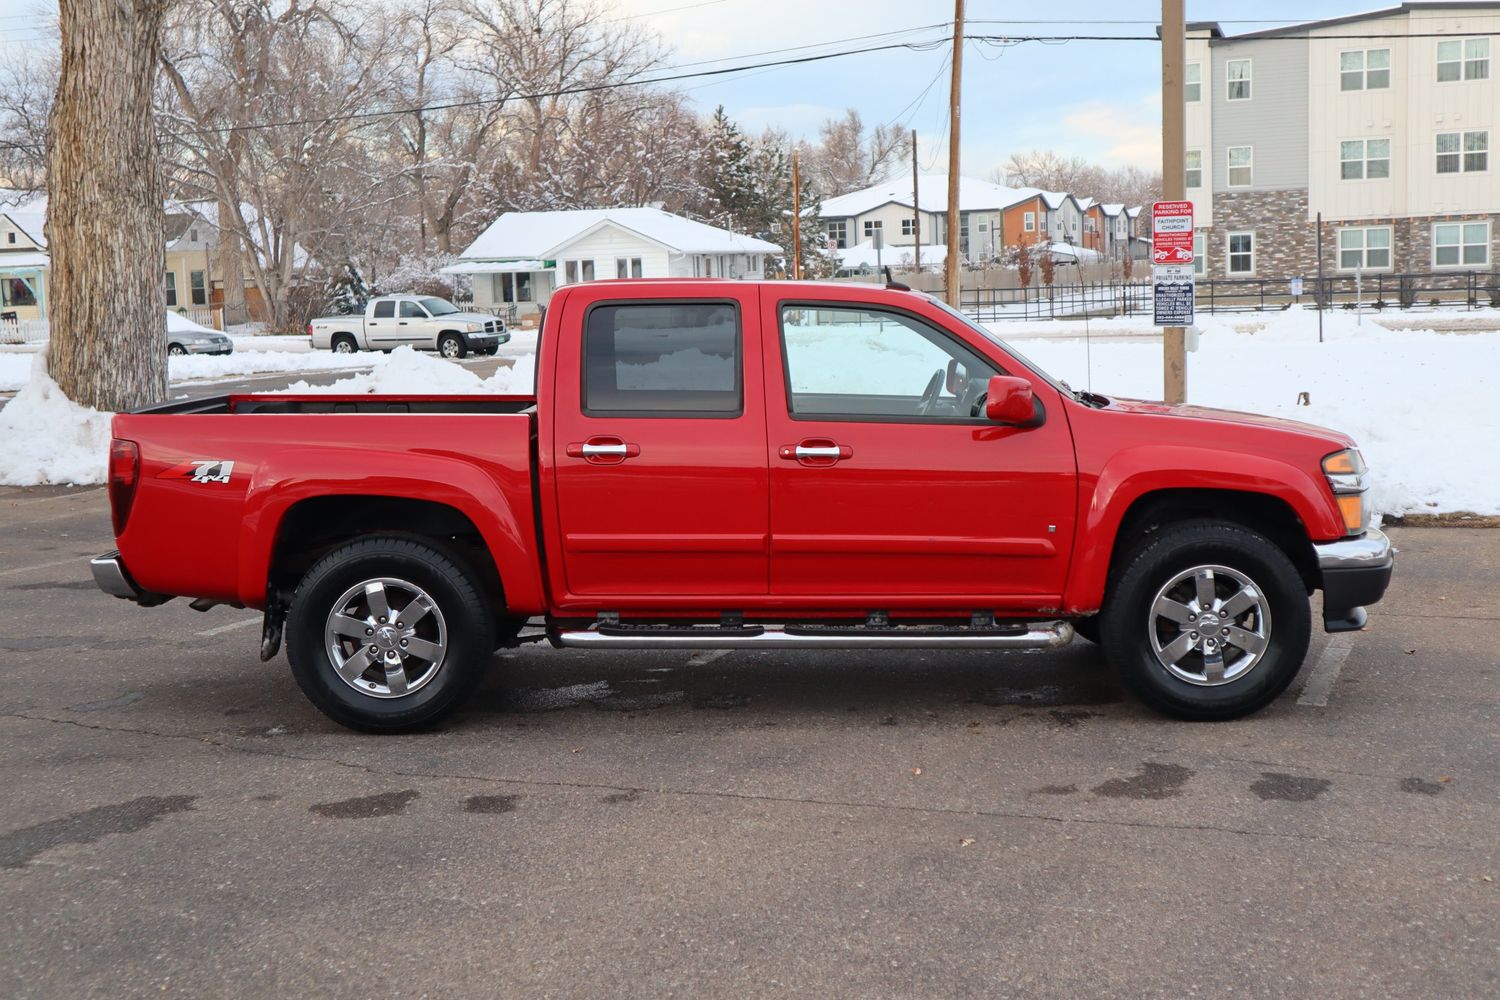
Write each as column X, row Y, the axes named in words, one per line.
column 1134, row 473
column 495, row 498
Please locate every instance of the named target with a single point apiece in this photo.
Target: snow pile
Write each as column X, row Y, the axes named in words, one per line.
column 405, row 371
column 178, row 323
column 207, row 366
column 1416, row 401
column 15, row 369
column 46, row 438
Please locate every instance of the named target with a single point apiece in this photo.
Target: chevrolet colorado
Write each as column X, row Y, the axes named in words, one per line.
column 758, row 465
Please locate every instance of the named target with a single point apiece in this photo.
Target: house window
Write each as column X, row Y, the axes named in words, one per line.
column 1028, row 222
column 1364, row 159
column 627, row 267
column 648, row 359
column 10, row 237
column 872, row 226
column 1463, row 151
column 1241, row 253
column 1461, row 244
column 1200, row 253
column 1192, row 83
column 838, row 233
column 908, row 227
column 1365, row 69
column 1366, row 248
column 1241, row 165
column 512, row 287
column 1237, row 73
column 193, row 235
column 198, row 288
column 577, row 270
column 1194, row 162
column 17, row 292
column 171, row 288
column 1463, row 59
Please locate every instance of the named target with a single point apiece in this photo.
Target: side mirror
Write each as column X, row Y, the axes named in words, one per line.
column 958, row 377
column 1009, row 400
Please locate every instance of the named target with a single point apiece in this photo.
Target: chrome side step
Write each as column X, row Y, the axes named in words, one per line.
column 1033, row 635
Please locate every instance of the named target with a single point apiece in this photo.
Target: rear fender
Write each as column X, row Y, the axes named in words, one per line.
column 1136, row 472
column 283, row 481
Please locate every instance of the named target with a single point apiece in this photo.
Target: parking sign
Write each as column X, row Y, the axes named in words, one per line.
column 1172, row 232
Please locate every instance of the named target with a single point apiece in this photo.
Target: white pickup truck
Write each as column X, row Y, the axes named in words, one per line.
column 420, row 321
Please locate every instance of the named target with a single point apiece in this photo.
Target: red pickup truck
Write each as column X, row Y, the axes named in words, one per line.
column 748, row 465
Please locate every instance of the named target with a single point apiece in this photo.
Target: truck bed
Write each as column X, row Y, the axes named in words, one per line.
column 213, row 492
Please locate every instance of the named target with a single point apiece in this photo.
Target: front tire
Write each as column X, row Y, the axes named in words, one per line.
column 1207, row 620
column 388, row 634
column 176, row 350
column 451, row 346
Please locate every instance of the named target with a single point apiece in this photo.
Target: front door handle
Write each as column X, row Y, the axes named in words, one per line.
column 815, row 452
column 603, row 450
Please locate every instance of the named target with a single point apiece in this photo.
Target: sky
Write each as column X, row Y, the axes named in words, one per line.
column 1097, row 100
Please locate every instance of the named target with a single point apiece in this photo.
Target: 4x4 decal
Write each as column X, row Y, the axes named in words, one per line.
column 200, row 470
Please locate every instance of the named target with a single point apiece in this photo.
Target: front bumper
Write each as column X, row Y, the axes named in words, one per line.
column 111, row 577
column 1356, row 572
column 484, row 341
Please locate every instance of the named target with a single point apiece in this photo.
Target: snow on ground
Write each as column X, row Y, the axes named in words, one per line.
column 45, row 437
column 1416, row 401
column 407, row 371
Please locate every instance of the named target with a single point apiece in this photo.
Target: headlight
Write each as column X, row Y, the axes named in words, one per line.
column 473, row 327
column 1346, row 474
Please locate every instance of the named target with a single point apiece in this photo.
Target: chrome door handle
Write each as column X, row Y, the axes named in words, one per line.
column 592, row 450
column 832, row 451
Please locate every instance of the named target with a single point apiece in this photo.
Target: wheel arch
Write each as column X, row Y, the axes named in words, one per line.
column 1264, row 513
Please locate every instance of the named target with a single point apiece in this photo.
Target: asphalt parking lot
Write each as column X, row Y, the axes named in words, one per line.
column 175, row 820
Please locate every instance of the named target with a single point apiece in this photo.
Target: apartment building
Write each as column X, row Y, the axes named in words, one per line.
column 1383, row 122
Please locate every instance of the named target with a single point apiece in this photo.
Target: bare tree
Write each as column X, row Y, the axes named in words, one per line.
column 26, row 86
column 104, row 225
column 1052, row 171
column 848, row 156
column 270, row 102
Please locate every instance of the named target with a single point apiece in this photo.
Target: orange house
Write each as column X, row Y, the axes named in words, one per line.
column 1025, row 222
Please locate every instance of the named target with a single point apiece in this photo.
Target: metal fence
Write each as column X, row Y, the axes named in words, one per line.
column 1458, row 289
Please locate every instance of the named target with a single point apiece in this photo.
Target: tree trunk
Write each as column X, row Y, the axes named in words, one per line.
column 104, row 218
column 229, row 262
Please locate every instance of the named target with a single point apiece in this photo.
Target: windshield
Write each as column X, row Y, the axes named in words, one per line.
column 995, row 338
column 438, row 307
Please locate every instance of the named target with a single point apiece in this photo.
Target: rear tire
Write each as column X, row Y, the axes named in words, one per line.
column 1206, row 620
column 414, row 672
column 343, row 344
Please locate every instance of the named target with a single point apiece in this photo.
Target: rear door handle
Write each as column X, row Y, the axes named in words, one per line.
column 603, row 450
column 815, row 452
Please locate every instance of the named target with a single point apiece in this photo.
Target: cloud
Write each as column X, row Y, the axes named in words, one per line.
column 1119, row 134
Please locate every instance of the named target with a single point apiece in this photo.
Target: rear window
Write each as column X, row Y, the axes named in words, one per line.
column 663, row 359
column 385, row 310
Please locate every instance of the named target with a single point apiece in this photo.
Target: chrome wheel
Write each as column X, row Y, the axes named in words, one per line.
column 177, row 350
column 343, row 347
column 386, row 638
column 1209, row 625
column 449, row 347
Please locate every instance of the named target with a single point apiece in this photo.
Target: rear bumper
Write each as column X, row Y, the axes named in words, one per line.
column 1356, row 572
column 111, row 577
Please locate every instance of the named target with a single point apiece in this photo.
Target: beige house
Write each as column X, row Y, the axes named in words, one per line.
column 23, row 259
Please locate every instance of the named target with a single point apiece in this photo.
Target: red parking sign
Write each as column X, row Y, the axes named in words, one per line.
column 1172, row 232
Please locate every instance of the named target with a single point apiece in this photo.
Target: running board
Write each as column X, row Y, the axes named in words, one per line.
column 1034, row 635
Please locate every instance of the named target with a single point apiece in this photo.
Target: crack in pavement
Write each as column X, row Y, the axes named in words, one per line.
column 752, row 797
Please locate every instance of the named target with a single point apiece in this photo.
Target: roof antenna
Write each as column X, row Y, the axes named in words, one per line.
column 892, row 283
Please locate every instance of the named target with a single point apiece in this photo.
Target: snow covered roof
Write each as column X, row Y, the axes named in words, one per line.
column 540, row 235
column 496, row 267
column 974, row 195
column 1133, row 212
column 1071, row 251
column 24, row 260
column 28, row 212
column 1086, row 203
column 1113, row 208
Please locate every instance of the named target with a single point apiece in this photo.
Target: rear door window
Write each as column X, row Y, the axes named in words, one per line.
column 663, row 359
column 384, row 310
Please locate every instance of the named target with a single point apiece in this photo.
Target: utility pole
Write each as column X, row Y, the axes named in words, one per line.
column 952, row 263
column 1173, row 175
column 796, row 220
column 916, row 207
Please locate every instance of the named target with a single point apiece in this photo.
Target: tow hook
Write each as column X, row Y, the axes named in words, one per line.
column 273, row 626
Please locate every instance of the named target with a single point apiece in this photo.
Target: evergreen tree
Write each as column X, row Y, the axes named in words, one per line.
column 727, row 174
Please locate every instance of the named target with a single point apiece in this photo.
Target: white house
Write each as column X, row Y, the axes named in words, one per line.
column 23, row 257
column 523, row 256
